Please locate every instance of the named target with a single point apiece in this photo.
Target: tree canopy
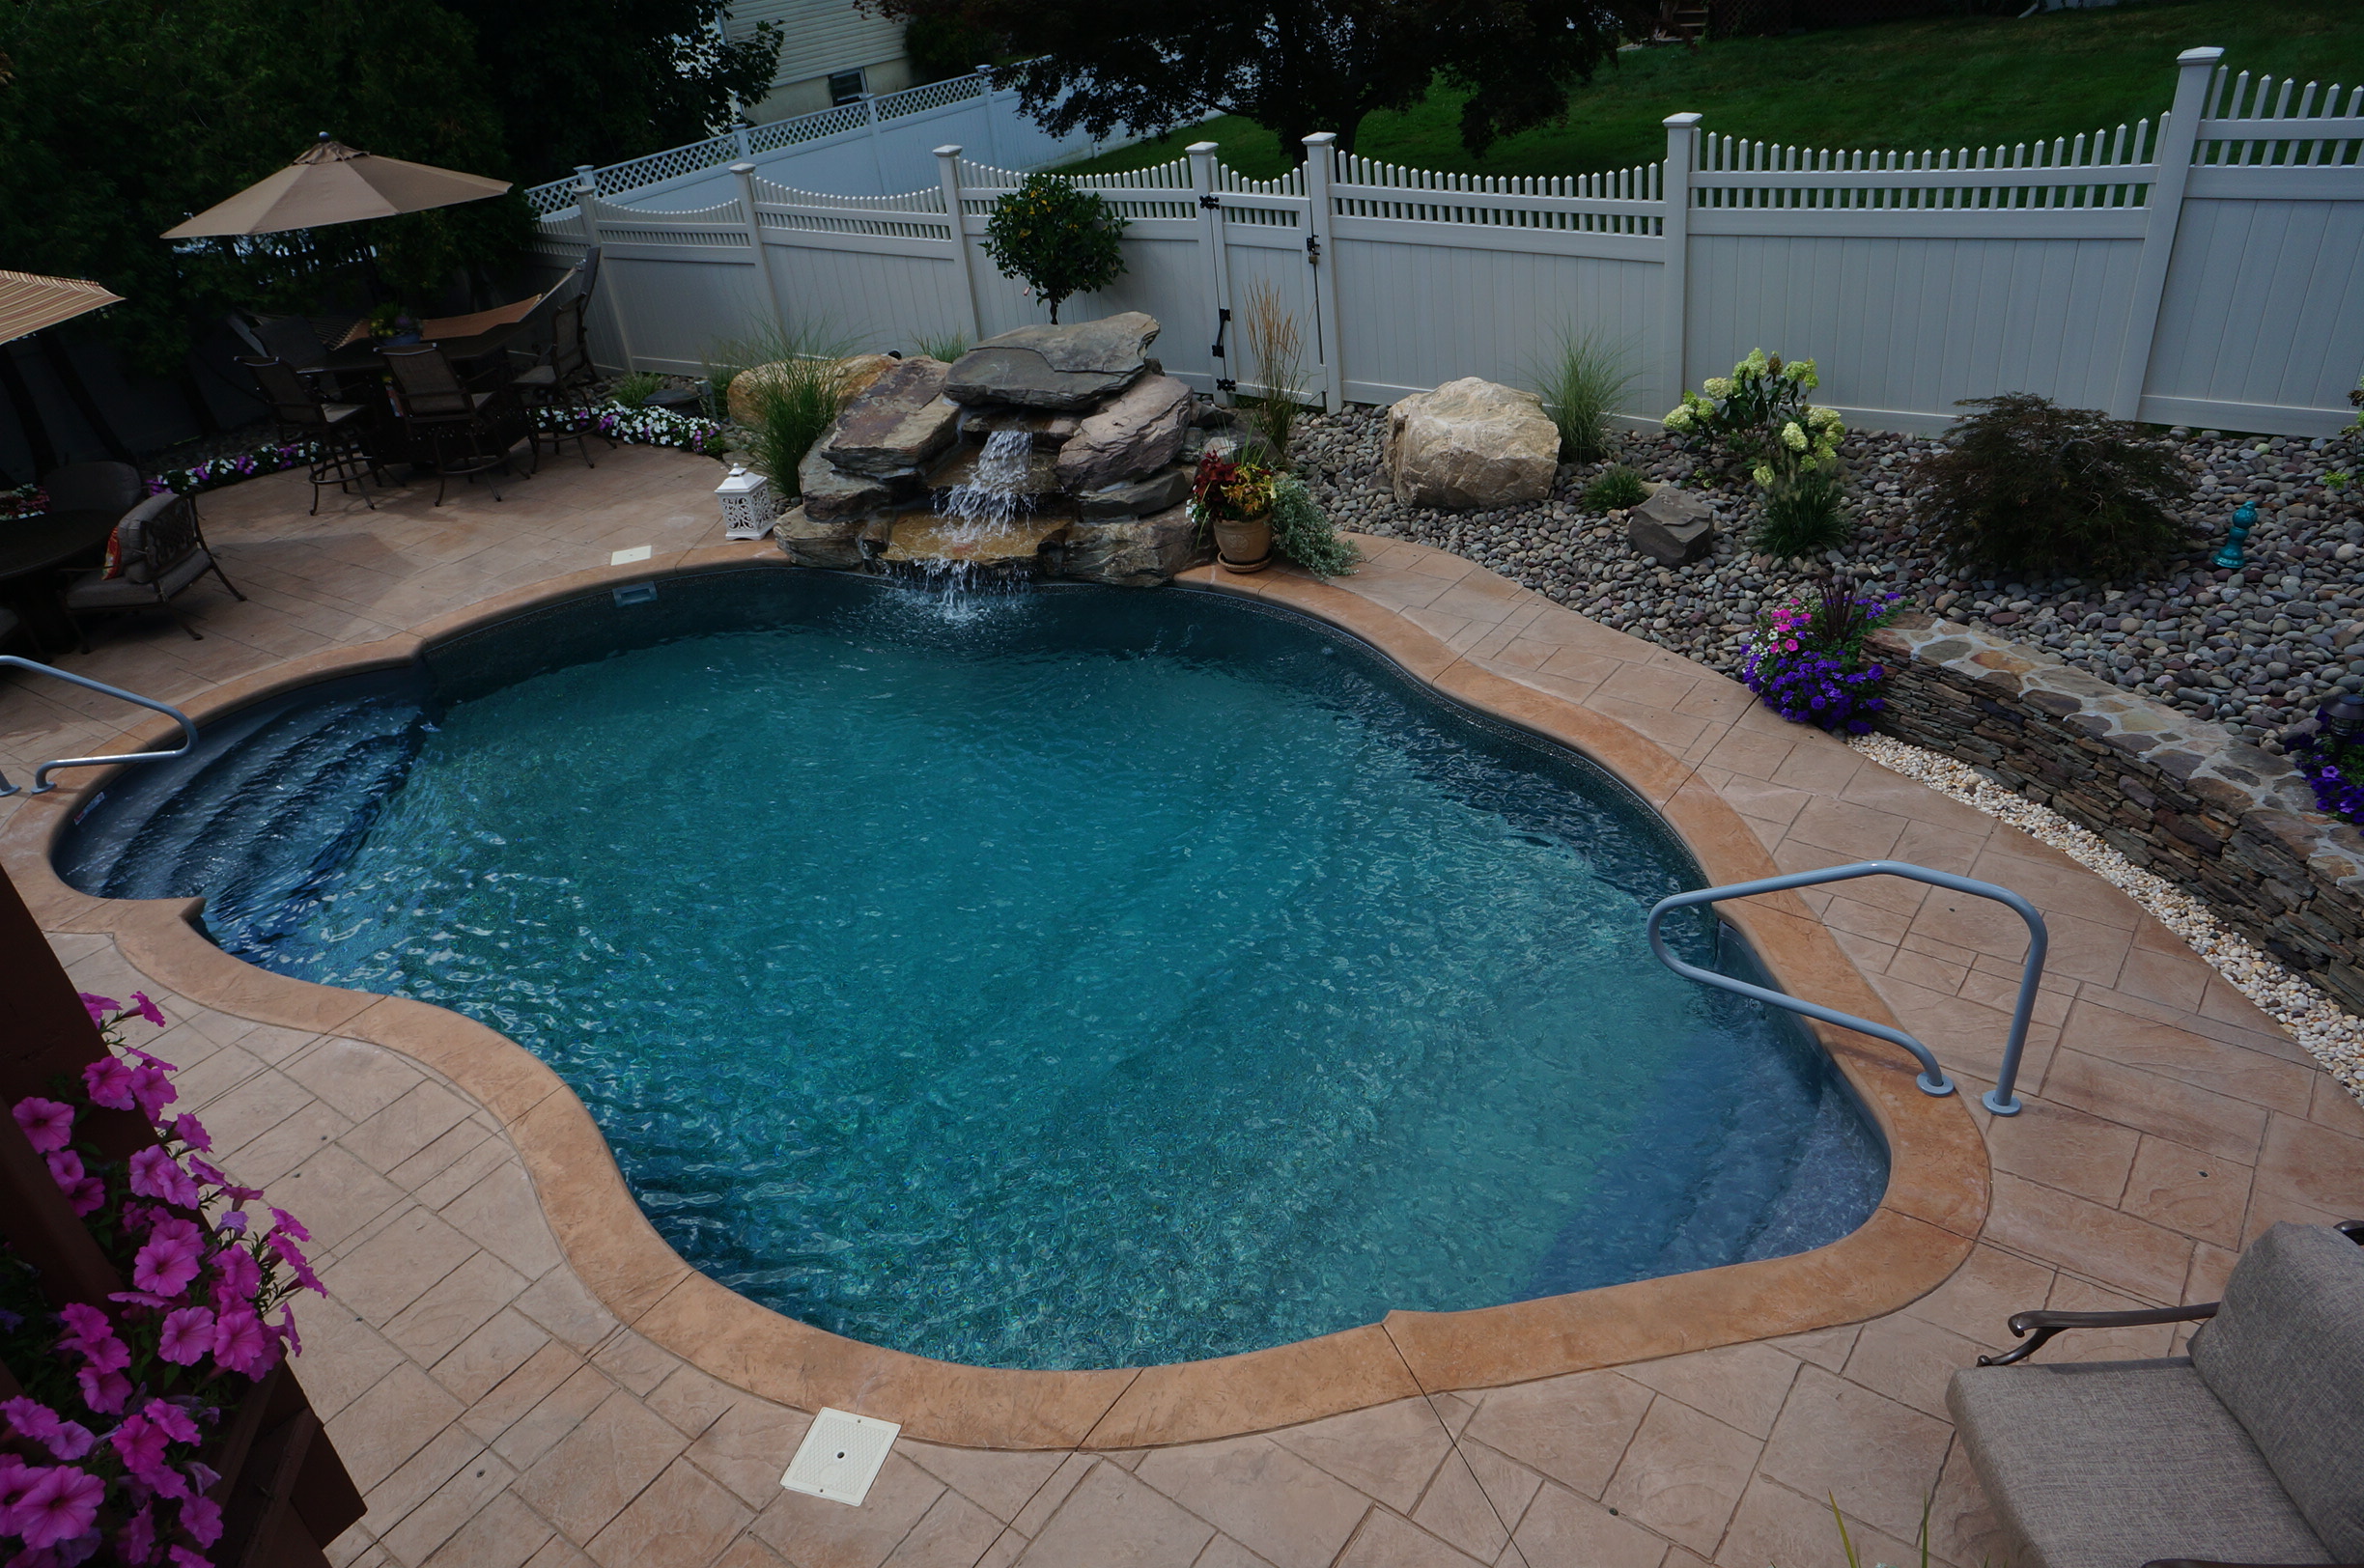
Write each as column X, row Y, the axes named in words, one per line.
column 120, row 118
column 1295, row 66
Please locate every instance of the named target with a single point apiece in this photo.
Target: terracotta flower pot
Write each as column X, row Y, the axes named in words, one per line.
column 1245, row 546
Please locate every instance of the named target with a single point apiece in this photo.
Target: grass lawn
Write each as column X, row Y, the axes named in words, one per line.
column 1947, row 82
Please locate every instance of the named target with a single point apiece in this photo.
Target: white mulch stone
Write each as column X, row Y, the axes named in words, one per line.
column 2332, row 1036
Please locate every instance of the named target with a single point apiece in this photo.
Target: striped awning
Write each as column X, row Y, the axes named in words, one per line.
column 29, row 301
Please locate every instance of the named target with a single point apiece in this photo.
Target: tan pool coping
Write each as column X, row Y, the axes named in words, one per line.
column 1923, row 1228
column 497, row 1415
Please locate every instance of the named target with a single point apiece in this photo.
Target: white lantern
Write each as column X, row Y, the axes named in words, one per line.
column 746, row 503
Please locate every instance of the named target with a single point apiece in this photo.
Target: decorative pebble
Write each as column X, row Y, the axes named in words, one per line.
column 2332, row 1036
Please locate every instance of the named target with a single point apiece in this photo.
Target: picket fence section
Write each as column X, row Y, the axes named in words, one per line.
column 2206, row 269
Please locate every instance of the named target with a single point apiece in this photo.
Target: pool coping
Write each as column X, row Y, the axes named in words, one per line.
column 1921, row 1230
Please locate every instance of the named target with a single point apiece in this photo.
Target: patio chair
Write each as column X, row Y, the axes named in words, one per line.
column 93, row 487
column 2249, row 1450
column 161, row 551
column 461, row 433
column 337, row 432
column 561, row 378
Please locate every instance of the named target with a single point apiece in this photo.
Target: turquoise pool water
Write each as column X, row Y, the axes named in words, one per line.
column 1104, row 978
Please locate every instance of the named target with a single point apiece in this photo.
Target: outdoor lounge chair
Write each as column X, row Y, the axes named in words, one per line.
column 162, row 551
column 2250, row 1450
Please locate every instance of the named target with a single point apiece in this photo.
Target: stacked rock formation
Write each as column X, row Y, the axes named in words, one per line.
column 1114, row 440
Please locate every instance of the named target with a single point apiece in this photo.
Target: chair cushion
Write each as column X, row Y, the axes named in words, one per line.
column 97, row 591
column 2285, row 1354
column 539, row 376
column 2116, row 1463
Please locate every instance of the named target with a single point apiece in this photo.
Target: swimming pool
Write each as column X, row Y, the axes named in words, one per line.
column 1105, row 978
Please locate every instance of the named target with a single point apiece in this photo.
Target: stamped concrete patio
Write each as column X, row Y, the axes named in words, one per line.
column 496, row 1415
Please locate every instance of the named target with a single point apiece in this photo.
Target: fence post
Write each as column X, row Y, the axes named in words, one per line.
column 993, row 142
column 1218, row 265
column 1675, row 296
column 2172, row 151
column 739, row 141
column 745, row 173
column 586, row 213
column 1321, row 249
column 877, row 157
column 947, row 171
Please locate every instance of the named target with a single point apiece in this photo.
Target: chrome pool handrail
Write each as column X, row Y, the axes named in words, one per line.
column 2001, row 1098
column 42, row 773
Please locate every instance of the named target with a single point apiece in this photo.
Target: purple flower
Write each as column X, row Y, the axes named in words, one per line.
column 237, row 1275
column 287, row 1222
column 190, row 1130
column 103, row 1391
column 176, row 1423
column 286, row 1326
column 48, row 1124
column 141, row 1443
column 240, row 1342
column 36, row 1422
column 152, row 1090
column 109, row 1082
column 99, row 1008
column 137, row 1539
column 147, row 1009
column 187, row 1338
column 200, row 1517
column 61, row 1504
column 156, row 1174
column 166, row 1264
column 295, row 1260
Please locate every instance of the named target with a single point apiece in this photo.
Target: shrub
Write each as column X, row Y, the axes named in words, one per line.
column 1758, row 419
column 634, row 390
column 799, row 396
column 1802, row 515
column 1275, row 353
column 1057, row 239
column 1808, row 663
column 2028, row 487
column 1581, row 387
column 1302, row 534
column 1618, row 488
column 948, row 348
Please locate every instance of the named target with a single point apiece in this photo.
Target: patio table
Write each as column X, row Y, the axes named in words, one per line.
column 32, row 549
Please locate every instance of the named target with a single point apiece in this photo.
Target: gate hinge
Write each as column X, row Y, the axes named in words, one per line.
column 1224, row 383
column 1214, row 203
column 1312, row 251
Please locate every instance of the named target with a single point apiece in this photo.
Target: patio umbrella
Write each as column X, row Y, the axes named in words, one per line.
column 330, row 182
column 29, row 302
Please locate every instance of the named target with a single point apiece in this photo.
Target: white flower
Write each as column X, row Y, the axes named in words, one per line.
column 1719, row 386
column 1677, row 419
column 1793, row 437
column 1762, row 473
column 1753, row 365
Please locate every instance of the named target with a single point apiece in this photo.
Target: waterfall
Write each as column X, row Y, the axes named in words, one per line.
column 995, row 492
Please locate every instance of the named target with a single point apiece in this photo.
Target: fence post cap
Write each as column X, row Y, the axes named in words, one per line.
column 742, row 166
column 1321, row 138
column 2206, row 55
column 950, row 149
column 1201, row 148
column 1678, row 122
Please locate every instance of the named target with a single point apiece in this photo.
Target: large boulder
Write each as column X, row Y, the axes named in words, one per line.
column 1672, row 527
column 1471, row 443
column 1072, row 367
column 897, row 426
column 831, row 494
column 1136, row 433
column 1141, row 552
column 855, row 376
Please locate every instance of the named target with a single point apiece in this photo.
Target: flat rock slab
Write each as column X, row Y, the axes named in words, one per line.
column 1139, row 498
column 831, row 493
column 1072, row 367
column 1671, row 527
column 834, row 544
column 1129, row 437
column 922, row 537
column 1142, row 552
column 1048, row 429
column 901, row 422
column 1471, row 444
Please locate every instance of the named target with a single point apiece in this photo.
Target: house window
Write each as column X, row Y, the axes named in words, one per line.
column 846, row 87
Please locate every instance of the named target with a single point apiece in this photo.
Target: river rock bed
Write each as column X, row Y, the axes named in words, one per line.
column 2254, row 650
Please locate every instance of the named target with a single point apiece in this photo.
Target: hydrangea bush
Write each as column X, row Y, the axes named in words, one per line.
column 100, row 1454
column 1808, row 661
column 1758, row 418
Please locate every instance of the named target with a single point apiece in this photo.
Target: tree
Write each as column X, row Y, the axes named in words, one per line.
column 1293, row 66
column 1057, row 239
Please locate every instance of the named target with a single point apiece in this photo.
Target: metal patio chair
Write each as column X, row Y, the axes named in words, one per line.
column 338, row 433
column 453, row 429
column 161, row 552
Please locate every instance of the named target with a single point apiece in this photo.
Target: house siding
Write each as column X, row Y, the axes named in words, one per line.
column 822, row 36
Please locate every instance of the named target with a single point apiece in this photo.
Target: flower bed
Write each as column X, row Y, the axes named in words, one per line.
column 1808, row 660
column 100, row 1451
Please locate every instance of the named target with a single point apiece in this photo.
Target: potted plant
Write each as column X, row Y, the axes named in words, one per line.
column 392, row 326
column 1232, row 499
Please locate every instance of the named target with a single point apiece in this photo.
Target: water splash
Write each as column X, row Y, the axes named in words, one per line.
column 995, row 492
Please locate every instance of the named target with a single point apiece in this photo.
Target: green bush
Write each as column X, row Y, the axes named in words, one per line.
column 1617, row 489
column 634, row 390
column 1057, row 239
column 2028, row 487
column 1581, row 387
column 1302, row 534
column 795, row 403
column 947, row 347
column 1758, row 419
column 1802, row 515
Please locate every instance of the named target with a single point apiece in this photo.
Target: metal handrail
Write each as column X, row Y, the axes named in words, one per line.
column 40, row 773
column 2001, row 1100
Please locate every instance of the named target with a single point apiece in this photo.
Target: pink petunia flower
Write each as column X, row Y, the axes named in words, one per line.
column 84, row 1323
column 235, row 1274
column 200, row 1517
column 31, row 1419
column 60, row 1505
column 177, row 1423
column 48, row 1124
column 190, row 1130
column 286, row 1331
column 65, row 1167
column 152, row 1090
column 187, row 1338
column 136, row 1541
column 287, row 1222
column 182, row 1557
column 166, row 1264
column 99, row 1008
column 147, row 1009
column 156, row 1174
column 103, row 1391
column 87, row 1196
column 109, row 1082
column 295, row 1260
column 142, row 1443
column 240, row 1343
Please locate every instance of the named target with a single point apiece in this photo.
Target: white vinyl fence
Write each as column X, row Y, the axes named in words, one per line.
column 2206, row 270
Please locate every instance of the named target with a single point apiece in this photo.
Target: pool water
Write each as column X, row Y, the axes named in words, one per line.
column 1090, row 978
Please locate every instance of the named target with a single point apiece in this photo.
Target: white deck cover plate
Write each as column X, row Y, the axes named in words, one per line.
column 840, row 1456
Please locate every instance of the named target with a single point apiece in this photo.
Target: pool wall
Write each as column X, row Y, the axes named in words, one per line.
column 1933, row 1209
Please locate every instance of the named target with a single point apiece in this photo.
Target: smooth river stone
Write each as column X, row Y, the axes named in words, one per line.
column 1071, row 367
column 897, row 426
column 1129, row 437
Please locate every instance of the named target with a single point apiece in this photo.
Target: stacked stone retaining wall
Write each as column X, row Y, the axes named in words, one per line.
column 2175, row 795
